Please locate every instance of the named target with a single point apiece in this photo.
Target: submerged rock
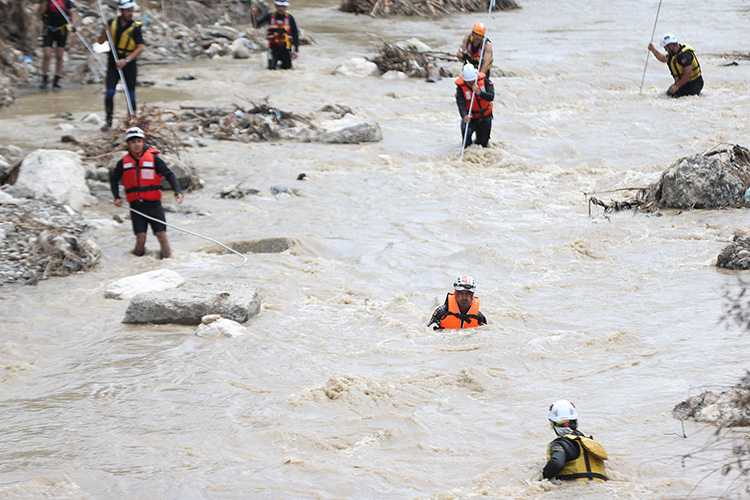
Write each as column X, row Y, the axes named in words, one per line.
column 188, row 304
column 730, row 408
column 350, row 129
column 736, row 255
column 219, row 327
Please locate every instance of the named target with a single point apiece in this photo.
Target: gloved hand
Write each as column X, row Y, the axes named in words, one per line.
column 73, row 28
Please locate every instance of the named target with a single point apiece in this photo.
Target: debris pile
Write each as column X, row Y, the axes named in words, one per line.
column 429, row 8
column 730, row 408
column 413, row 58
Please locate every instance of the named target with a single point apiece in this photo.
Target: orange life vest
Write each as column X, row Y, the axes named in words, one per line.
column 455, row 319
column 481, row 107
column 140, row 178
column 280, row 32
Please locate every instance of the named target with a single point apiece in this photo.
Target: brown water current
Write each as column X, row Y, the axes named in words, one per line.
column 330, row 397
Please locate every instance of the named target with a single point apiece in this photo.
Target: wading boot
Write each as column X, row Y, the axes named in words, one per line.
column 56, row 83
column 43, row 85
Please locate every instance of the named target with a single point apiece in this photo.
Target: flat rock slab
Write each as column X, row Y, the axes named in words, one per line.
column 151, row 281
column 187, row 304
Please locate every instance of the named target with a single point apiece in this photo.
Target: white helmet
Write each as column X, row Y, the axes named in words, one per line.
column 469, row 73
column 126, row 4
column 464, row 282
column 283, row 3
column 667, row 39
column 563, row 417
column 134, row 132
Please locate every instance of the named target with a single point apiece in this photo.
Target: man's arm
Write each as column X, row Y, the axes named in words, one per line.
column 114, row 183
column 557, row 460
column 661, row 57
column 438, row 316
column 461, row 102
column 489, row 90
column 259, row 23
column 295, row 33
column 487, row 57
column 462, row 47
column 686, row 61
column 43, row 6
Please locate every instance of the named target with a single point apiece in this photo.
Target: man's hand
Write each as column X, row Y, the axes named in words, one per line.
column 118, row 202
column 476, row 89
column 73, row 28
column 179, row 198
column 673, row 89
column 294, row 54
column 467, row 118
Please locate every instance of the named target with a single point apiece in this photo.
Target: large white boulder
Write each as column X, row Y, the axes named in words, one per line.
column 56, row 175
column 151, row 281
column 350, row 129
column 357, row 66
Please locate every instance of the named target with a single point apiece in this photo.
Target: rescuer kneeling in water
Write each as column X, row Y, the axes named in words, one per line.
column 461, row 308
column 572, row 456
column 479, row 118
column 683, row 65
column 141, row 171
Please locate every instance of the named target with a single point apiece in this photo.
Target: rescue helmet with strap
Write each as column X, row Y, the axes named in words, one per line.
column 469, row 73
column 480, row 29
column 134, row 132
column 563, row 417
column 465, row 282
column 667, row 39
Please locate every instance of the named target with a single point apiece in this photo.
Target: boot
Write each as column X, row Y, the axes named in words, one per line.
column 56, row 83
column 45, row 80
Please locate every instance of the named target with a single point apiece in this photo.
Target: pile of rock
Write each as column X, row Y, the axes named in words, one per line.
column 730, row 408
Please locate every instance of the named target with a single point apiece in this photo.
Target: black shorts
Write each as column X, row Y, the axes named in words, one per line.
column 56, row 35
column 152, row 209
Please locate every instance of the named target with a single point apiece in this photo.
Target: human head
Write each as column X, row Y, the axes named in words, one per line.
column 469, row 73
column 464, row 288
column 127, row 7
column 667, row 40
column 135, row 138
column 281, row 5
column 563, row 417
column 480, row 29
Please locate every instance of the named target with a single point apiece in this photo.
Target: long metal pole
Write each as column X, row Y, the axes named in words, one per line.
column 67, row 20
column 481, row 56
column 648, row 52
column 114, row 54
column 194, row 234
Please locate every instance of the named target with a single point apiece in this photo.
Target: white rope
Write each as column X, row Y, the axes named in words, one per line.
column 481, row 56
column 67, row 20
column 114, row 54
column 648, row 52
column 194, row 234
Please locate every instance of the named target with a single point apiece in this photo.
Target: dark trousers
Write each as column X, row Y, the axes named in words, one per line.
column 130, row 72
column 279, row 53
column 690, row 88
column 481, row 126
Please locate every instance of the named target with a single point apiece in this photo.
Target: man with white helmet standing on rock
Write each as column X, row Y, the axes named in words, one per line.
column 572, row 456
column 141, row 171
column 461, row 308
column 128, row 40
column 283, row 37
column 474, row 95
column 683, row 65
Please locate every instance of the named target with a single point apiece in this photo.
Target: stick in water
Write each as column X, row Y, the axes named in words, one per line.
column 648, row 52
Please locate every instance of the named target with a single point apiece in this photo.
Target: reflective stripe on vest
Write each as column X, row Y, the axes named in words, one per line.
column 678, row 70
column 280, row 32
column 455, row 319
column 480, row 107
column 588, row 466
column 140, row 178
column 126, row 44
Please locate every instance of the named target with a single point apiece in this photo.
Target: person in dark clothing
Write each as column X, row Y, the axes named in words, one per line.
column 460, row 309
column 683, row 65
column 479, row 120
column 141, row 171
column 283, row 37
column 572, row 456
column 55, row 31
column 128, row 40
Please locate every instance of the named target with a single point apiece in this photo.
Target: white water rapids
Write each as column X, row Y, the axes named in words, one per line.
column 326, row 398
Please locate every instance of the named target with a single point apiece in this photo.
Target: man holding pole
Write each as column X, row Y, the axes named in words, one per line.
column 127, row 38
column 474, row 95
column 471, row 49
column 141, row 171
column 55, row 31
column 682, row 63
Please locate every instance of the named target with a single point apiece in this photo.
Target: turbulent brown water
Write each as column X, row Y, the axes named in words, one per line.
column 327, row 398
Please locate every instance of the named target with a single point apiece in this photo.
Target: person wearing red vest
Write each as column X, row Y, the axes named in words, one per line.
column 283, row 36
column 474, row 95
column 55, row 31
column 472, row 47
column 141, row 172
column 460, row 309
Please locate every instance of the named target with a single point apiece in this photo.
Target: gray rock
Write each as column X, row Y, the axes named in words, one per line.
column 350, row 129
column 727, row 409
column 736, row 255
column 151, row 281
column 55, row 175
column 221, row 327
column 187, row 304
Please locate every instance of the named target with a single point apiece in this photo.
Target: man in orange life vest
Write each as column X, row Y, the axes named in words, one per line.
column 283, row 37
column 479, row 120
column 471, row 48
column 461, row 308
column 141, row 171
column 55, row 31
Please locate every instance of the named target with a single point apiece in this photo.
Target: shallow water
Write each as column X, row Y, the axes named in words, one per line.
column 330, row 398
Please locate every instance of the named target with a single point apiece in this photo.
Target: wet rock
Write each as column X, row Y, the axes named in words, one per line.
column 394, row 75
column 235, row 193
column 55, row 175
column 414, row 44
column 220, row 327
column 151, row 281
column 94, row 119
column 704, row 181
column 433, row 73
column 67, row 253
column 187, row 304
column 350, row 129
column 357, row 66
column 736, row 255
column 181, row 170
column 277, row 191
column 242, row 48
column 265, row 245
column 730, row 408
